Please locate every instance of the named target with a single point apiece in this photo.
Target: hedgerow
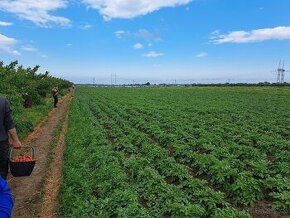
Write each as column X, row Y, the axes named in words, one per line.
column 25, row 88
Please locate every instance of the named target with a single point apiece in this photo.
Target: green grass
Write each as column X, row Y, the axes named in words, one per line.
column 34, row 116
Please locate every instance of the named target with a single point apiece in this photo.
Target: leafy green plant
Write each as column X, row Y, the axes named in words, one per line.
column 282, row 201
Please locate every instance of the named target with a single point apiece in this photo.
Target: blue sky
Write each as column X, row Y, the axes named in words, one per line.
column 142, row 40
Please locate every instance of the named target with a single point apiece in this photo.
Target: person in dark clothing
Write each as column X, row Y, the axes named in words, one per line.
column 55, row 91
column 6, row 200
column 7, row 128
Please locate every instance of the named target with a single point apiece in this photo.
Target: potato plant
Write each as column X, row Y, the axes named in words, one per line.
column 177, row 152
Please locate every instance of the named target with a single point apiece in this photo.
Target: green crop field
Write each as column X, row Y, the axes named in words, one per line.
column 177, row 152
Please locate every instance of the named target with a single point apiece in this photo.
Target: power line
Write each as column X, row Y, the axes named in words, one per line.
column 281, row 71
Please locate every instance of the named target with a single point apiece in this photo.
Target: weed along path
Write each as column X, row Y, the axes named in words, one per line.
column 30, row 193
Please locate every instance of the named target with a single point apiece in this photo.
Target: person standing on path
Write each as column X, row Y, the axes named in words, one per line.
column 7, row 128
column 55, row 91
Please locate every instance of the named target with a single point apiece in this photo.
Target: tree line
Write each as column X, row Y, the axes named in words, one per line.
column 25, row 88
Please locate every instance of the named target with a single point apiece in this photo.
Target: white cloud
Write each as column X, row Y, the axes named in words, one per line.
column 4, row 40
column 44, row 56
column 86, row 26
column 138, row 46
column 38, row 12
column 121, row 34
column 259, row 35
column 201, row 55
column 29, row 48
column 3, row 23
column 130, row 8
column 153, row 54
column 149, row 36
column 7, row 44
column 15, row 52
column 68, row 44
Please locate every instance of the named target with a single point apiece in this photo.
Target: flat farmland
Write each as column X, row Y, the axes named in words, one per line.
column 177, row 152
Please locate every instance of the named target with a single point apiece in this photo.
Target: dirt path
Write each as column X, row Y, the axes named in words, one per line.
column 54, row 178
column 28, row 191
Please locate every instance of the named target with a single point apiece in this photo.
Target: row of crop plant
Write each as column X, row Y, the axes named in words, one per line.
column 219, row 141
column 101, row 148
column 95, row 183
